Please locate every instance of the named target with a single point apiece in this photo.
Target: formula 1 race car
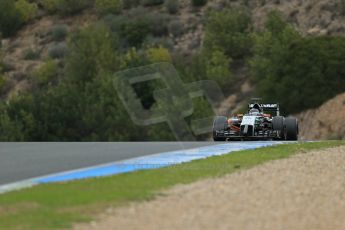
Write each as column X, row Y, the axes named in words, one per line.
column 262, row 122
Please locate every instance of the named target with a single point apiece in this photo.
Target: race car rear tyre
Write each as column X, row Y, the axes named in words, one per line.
column 291, row 124
column 219, row 124
column 278, row 125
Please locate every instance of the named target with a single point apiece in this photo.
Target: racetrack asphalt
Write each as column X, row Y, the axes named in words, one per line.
column 21, row 161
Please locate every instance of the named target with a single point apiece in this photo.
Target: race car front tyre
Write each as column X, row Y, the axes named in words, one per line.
column 219, row 124
column 278, row 125
column 291, row 124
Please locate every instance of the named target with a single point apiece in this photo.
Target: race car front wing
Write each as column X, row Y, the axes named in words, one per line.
column 257, row 135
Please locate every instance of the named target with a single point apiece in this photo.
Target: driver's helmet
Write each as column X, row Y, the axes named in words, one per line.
column 254, row 112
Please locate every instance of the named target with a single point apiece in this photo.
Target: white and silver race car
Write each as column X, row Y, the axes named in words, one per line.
column 262, row 122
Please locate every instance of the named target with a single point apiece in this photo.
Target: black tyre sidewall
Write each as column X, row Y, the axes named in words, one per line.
column 291, row 124
column 219, row 124
column 278, row 124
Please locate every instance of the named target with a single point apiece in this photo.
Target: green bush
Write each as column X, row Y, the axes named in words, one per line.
column 28, row 11
column 159, row 54
column 309, row 72
column 158, row 23
column 133, row 58
column 10, row 18
column 207, row 66
column 45, row 73
column 58, row 51
column 59, row 32
column 65, row 7
column 199, row 2
column 3, row 84
column 218, row 68
column 172, row 6
column 92, row 51
column 138, row 25
column 83, row 104
column 69, row 7
column 165, row 42
column 115, row 22
column 229, row 31
column 127, row 4
column 134, row 32
column 50, row 5
column 275, row 24
column 176, row 28
column 132, row 28
column 151, row 2
column 31, row 54
column 109, row 6
column 299, row 73
column 192, row 69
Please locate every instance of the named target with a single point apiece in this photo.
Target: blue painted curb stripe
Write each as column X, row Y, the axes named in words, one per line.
column 141, row 163
column 153, row 161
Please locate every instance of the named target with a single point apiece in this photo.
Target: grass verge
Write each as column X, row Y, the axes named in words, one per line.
column 56, row 206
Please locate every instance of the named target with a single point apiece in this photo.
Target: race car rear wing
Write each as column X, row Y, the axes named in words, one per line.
column 267, row 107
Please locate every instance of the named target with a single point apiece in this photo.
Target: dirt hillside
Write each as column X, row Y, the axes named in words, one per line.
column 310, row 17
column 325, row 122
column 306, row 191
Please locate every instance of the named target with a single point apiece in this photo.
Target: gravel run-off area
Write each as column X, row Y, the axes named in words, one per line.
column 305, row 191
